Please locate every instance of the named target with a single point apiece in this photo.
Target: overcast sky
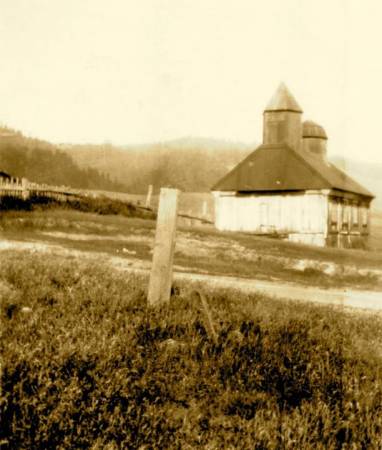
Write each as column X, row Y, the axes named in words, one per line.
column 132, row 71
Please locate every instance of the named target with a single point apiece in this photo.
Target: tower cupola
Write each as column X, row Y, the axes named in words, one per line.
column 314, row 138
column 282, row 119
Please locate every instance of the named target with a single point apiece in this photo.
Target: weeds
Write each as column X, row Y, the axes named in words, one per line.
column 86, row 367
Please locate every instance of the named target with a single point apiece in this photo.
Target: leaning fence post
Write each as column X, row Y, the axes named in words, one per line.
column 209, row 322
column 161, row 270
column 149, row 194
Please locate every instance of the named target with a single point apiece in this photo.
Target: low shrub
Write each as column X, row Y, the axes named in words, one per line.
column 98, row 205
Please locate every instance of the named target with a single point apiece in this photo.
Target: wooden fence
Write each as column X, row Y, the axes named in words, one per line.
column 22, row 188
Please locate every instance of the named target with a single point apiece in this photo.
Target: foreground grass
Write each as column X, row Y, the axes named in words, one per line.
column 86, row 365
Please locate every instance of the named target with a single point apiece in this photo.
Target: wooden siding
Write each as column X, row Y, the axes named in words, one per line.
column 317, row 217
column 286, row 213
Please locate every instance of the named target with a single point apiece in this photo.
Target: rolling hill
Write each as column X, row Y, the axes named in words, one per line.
column 192, row 164
column 189, row 164
column 42, row 162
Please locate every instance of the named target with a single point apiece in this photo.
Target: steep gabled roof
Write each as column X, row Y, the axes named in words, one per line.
column 283, row 100
column 280, row 168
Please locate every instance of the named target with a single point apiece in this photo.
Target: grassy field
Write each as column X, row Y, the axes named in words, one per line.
column 203, row 249
column 189, row 202
column 192, row 203
column 86, row 365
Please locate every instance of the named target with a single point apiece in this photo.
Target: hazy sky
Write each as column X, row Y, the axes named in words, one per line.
column 131, row 71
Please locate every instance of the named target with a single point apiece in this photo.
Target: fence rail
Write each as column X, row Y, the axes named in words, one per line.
column 22, row 188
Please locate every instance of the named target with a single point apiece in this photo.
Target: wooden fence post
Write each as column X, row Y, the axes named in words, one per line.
column 25, row 192
column 161, row 270
column 149, row 194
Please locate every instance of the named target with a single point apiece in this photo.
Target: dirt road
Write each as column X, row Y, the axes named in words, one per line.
column 349, row 298
column 352, row 298
column 370, row 300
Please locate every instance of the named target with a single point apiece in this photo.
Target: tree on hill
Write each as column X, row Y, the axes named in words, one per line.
column 42, row 162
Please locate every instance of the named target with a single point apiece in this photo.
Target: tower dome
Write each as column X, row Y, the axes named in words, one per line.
column 311, row 129
column 314, row 138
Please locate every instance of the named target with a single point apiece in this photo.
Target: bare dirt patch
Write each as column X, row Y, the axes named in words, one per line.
column 96, row 237
column 200, row 250
column 215, row 247
column 352, row 298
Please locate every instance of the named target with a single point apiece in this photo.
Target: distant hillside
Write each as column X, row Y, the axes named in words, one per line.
column 42, row 162
column 190, row 164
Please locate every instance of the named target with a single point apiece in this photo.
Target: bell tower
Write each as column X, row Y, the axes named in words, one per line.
column 282, row 120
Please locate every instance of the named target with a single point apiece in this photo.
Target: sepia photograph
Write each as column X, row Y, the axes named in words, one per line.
column 190, row 224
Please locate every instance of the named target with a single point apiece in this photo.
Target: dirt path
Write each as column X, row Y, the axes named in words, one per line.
column 368, row 300
column 349, row 298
